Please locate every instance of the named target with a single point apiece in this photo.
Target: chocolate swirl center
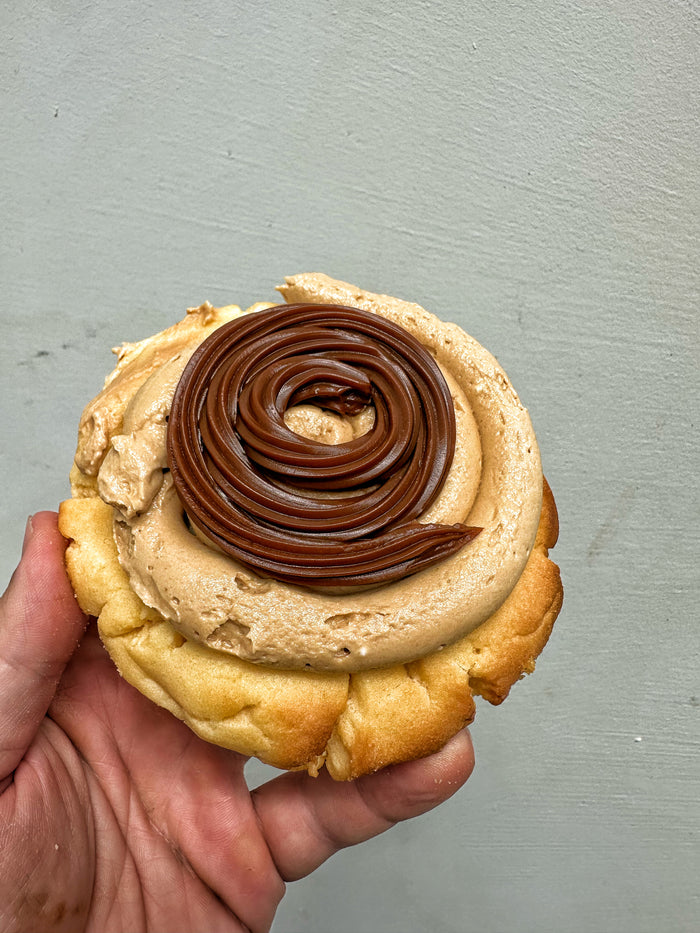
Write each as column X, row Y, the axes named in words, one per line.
column 244, row 477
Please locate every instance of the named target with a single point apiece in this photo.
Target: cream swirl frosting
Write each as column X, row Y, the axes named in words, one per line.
column 218, row 596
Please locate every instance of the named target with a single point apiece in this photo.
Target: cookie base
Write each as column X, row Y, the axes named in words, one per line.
column 351, row 723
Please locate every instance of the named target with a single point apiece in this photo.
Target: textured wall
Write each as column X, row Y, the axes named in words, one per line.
column 529, row 170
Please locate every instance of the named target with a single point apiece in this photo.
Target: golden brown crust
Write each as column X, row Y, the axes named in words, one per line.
column 289, row 719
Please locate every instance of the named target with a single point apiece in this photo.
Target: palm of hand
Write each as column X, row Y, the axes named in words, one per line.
column 139, row 818
column 115, row 816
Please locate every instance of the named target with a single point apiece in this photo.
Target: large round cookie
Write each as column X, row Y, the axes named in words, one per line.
column 352, row 721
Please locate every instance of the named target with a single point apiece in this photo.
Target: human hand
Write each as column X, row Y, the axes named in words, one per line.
column 115, row 816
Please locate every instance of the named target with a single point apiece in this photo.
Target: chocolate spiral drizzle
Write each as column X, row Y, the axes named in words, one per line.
column 243, row 476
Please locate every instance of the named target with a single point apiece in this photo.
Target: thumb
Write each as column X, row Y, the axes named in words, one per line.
column 40, row 626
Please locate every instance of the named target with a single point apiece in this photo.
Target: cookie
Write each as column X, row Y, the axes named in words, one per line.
column 367, row 650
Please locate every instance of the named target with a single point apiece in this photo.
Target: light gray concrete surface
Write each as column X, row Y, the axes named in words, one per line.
column 526, row 169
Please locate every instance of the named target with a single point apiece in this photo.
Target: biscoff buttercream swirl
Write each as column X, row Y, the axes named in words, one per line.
column 258, row 490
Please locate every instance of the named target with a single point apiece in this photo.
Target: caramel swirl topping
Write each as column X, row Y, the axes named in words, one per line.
column 293, row 508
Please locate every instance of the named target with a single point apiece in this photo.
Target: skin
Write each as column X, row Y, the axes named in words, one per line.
column 114, row 816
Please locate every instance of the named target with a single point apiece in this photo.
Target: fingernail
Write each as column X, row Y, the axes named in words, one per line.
column 28, row 532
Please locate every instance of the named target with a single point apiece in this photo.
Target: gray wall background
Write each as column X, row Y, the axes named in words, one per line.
column 526, row 169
